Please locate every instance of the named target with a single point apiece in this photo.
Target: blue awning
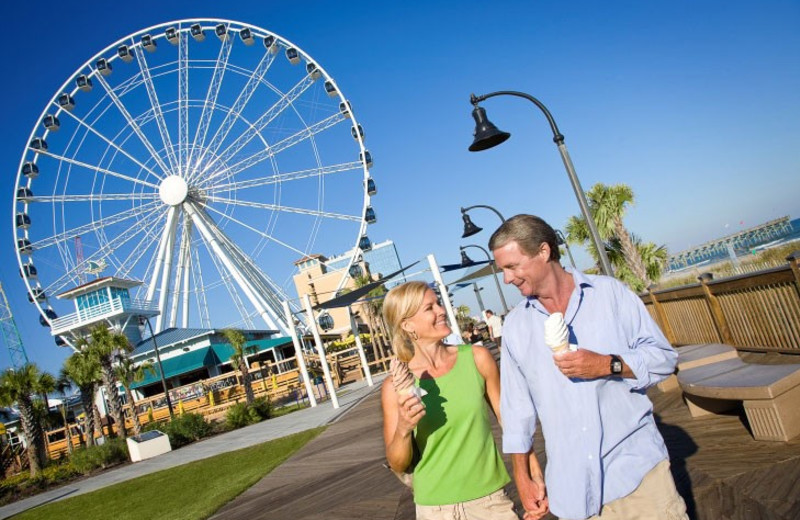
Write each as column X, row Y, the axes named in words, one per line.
column 224, row 351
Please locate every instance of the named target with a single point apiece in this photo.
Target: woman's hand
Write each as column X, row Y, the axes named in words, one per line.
column 410, row 411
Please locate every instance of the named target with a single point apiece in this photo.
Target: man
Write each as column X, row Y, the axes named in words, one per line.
column 605, row 457
column 495, row 327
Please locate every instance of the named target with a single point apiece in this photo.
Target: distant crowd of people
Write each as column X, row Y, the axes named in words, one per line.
column 606, row 459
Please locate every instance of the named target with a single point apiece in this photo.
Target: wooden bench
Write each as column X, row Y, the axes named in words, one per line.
column 770, row 394
column 691, row 356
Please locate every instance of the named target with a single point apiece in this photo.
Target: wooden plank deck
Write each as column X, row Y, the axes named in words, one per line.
column 720, row 470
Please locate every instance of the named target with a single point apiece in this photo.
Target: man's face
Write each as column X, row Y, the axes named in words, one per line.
column 523, row 271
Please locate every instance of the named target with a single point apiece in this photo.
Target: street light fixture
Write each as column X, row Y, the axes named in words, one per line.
column 470, row 228
column 563, row 241
column 160, row 368
column 466, row 261
column 487, row 135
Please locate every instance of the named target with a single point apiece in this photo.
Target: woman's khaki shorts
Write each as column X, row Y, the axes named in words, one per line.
column 496, row 506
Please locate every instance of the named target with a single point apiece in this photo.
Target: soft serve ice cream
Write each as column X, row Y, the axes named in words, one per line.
column 556, row 334
column 403, row 379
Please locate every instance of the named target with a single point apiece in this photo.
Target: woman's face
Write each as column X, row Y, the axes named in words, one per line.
column 430, row 320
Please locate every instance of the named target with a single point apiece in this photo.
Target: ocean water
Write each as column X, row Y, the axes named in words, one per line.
column 769, row 242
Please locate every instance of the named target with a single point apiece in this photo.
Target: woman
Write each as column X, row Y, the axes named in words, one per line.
column 462, row 477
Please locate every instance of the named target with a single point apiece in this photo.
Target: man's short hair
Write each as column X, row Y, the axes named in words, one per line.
column 529, row 232
column 489, row 311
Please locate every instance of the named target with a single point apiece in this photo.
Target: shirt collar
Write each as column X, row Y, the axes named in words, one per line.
column 581, row 280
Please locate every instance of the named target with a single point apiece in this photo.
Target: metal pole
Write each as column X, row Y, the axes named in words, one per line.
column 566, row 246
column 464, row 210
column 494, row 275
column 478, row 296
column 437, row 276
column 301, row 362
column 160, row 368
column 361, row 355
column 558, row 138
column 312, row 324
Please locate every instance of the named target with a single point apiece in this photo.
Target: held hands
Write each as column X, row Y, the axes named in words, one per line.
column 534, row 499
column 410, row 411
column 583, row 364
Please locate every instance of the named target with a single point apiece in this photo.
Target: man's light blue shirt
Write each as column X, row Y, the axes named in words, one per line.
column 601, row 438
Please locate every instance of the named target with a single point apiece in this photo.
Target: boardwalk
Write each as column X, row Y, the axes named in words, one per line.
column 721, row 471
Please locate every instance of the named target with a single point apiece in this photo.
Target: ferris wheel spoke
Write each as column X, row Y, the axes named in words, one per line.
column 97, row 169
column 110, row 143
column 278, row 147
column 93, row 226
column 183, row 100
column 200, row 289
column 286, row 177
column 118, row 241
column 220, row 66
column 144, row 245
column 238, row 106
column 132, row 123
column 259, row 125
column 91, row 197
column 286, row 209
column 166, row 140
column 230, row 287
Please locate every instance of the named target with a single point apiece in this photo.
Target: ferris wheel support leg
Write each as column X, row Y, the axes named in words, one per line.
column 180, row 273
column 166, row 261
column 323, row 360
column 151, row 288
column 301, row 360
column 214, row 243
column 187, row 266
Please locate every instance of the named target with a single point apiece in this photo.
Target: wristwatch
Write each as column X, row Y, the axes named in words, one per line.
column 616, row 365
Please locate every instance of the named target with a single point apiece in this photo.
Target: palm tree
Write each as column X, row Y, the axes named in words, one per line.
column 608, row 205
column 103, row 344
column 654, row 259
column 372, row 308
column 127, row 373
column 239, row 359
column 62, row 385
column 84, row 371
column 18, row 386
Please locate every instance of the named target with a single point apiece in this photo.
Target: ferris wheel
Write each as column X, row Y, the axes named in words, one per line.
column 202, row 157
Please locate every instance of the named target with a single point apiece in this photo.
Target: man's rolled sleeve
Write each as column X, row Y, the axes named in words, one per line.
column 650, row 356
column 516, row 407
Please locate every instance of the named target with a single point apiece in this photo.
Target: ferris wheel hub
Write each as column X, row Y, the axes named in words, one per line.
column 173, row 190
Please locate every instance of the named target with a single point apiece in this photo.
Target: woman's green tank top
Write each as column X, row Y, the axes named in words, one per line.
column 459, row 460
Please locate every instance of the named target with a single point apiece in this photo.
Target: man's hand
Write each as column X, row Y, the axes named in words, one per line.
column 585, row 364
column 533, row 496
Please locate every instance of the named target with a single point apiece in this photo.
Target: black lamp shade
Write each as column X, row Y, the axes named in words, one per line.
column 465, row 260
column 486, row 134
column 469, row 228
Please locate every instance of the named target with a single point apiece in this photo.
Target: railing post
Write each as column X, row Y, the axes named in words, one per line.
column 793, row 259
column 661, row 317
column 716, row 310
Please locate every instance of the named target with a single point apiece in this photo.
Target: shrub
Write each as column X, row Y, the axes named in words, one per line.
column 241, row 414
column 263, row 407
column 111, row 452
column 186, row 428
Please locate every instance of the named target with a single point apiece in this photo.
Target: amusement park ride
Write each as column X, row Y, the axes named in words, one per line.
column 187, row 166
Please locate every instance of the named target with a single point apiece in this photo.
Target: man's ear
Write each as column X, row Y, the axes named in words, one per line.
column 544, row 247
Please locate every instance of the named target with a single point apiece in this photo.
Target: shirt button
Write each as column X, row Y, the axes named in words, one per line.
column 583, row 429
column 590, row 457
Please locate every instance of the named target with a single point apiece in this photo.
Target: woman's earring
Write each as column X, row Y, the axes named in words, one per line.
column 413, row 335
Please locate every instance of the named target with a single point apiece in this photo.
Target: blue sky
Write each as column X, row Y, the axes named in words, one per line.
column 693, row 104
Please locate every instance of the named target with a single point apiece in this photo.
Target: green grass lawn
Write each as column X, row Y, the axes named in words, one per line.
column 189, row 492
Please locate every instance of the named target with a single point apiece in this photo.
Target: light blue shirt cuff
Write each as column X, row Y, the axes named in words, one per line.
column 517, row 443
column 637, row 364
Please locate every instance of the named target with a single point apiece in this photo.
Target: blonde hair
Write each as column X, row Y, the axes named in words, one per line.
column 401, row 303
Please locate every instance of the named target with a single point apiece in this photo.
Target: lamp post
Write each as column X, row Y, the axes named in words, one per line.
column 465, row 261
column 487, row 135
column 563, row 241
column 470, row 228
column 160, row 368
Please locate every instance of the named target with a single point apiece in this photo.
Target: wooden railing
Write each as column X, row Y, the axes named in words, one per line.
column 755, row 311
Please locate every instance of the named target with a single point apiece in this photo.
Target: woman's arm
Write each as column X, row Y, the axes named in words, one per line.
column 400, row 417
column 488, row 369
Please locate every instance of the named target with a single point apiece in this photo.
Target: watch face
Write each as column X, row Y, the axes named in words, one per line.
column 616, row 366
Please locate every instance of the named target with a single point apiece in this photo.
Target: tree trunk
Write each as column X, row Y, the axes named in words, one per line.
column 98, row 421
column 632, row 256
column 137, row 426
column 248, row 389
column 67, row 430
column 109, row 382
column 31, row 432
column 88, row 414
